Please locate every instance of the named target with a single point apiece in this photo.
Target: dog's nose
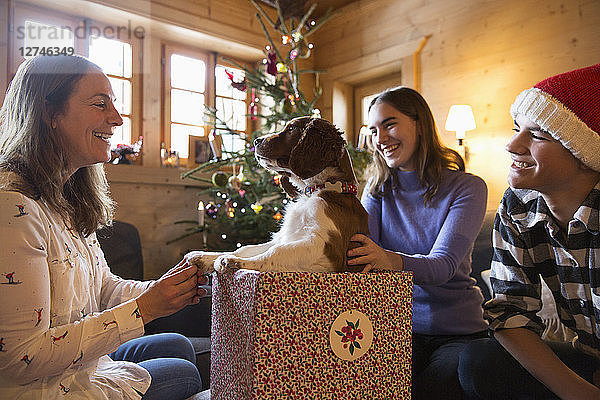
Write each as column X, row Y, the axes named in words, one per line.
column 257, row 141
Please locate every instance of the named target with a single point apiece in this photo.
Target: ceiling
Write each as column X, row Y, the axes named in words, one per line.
column 296, row 7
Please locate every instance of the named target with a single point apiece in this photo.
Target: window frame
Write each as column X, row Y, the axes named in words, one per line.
column 250, row 124
column 22, row 12
column 211, row 60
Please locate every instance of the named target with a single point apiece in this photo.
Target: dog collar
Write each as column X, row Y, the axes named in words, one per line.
column 347, row 188
column 309, row 190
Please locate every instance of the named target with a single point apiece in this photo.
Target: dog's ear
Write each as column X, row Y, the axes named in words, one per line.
column 345, row 170
column 319, row 147
column 288, row 188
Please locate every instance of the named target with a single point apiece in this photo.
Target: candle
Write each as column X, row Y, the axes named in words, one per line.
column 201, row 214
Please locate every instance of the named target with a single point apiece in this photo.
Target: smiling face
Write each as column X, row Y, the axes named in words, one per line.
column 539, row 161
column 88, row 121
column 395, row 136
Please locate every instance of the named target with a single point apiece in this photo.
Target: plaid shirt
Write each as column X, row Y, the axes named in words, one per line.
column 528, row 243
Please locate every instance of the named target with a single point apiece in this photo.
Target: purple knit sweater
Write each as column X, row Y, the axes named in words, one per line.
column 436, row 243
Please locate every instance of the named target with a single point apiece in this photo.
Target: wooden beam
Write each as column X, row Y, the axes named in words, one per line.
column 373, row 65
column 138, row 175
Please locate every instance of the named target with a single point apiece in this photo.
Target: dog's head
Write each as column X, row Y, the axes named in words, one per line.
column 307, row 149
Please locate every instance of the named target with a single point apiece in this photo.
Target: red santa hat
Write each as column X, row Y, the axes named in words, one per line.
column 568, row 107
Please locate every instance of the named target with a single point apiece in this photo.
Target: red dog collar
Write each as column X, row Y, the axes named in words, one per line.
column 347, row 188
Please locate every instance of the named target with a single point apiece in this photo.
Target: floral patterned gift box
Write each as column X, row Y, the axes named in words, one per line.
column 298, row 335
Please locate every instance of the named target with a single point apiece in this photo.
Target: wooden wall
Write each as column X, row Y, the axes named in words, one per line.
column 153, row 199
column 480, row 52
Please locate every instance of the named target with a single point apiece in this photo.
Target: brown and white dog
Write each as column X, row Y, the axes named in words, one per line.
column 317, row 226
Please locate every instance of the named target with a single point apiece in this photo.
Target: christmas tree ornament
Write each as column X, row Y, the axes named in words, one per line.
column 276, row 180
column 231, row 212
column 241, row 192
column 286, row 39
column 286, row 106
column 317, row 90
column 302, row 49
column 241, row 86
column 293, row 54
column 277, row 216
column 256, row 207
column 219, row 179
column 281, row 67
column 297, row 36
column 272, row 63
column 212, row 210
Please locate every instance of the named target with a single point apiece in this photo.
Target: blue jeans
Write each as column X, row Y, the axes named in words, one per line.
column 435, row 364
column 169, row 358
column 488, row 371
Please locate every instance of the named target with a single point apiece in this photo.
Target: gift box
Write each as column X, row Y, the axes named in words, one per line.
column 299, row 335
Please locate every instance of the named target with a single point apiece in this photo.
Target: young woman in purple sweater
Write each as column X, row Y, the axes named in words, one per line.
column 425, row 212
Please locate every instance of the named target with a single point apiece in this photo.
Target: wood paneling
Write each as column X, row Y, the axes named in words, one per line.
column 481, row 52
column 153, row 199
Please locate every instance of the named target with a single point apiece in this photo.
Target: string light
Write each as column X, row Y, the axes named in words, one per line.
column 239, row 245
column 223, row 236
column 310, row 45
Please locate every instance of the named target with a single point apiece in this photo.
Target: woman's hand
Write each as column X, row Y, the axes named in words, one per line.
column 372, row 255
column 177, row 288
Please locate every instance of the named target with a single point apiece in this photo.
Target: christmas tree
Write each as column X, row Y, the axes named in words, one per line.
column 246, row 201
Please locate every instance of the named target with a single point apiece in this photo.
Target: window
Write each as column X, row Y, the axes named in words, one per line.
column 43, row 29
column 42, row 36
column 186, row 99
column 231, row 107
column 364, row 93
column 195, row 80
column 115, row 59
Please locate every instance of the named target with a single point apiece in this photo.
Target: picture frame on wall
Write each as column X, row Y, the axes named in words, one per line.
column 199, row 151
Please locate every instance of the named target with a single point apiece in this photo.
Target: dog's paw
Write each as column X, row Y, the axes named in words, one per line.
column 202, row 260
column 225, row 263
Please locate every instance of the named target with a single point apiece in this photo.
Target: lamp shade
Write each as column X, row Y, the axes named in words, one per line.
column 460, row 119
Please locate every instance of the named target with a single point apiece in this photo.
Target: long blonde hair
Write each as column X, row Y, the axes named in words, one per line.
column 33, row 151
column 431, row 157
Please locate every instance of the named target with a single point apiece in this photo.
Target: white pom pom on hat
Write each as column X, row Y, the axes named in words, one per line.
column 568, row 107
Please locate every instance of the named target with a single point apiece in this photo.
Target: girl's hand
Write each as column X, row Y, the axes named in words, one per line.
column 373, row 256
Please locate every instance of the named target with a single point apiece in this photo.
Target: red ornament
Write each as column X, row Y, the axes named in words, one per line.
column 253, row 107
column 272, row 63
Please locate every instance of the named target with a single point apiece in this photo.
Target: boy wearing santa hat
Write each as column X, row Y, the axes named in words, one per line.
column 547, row 227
